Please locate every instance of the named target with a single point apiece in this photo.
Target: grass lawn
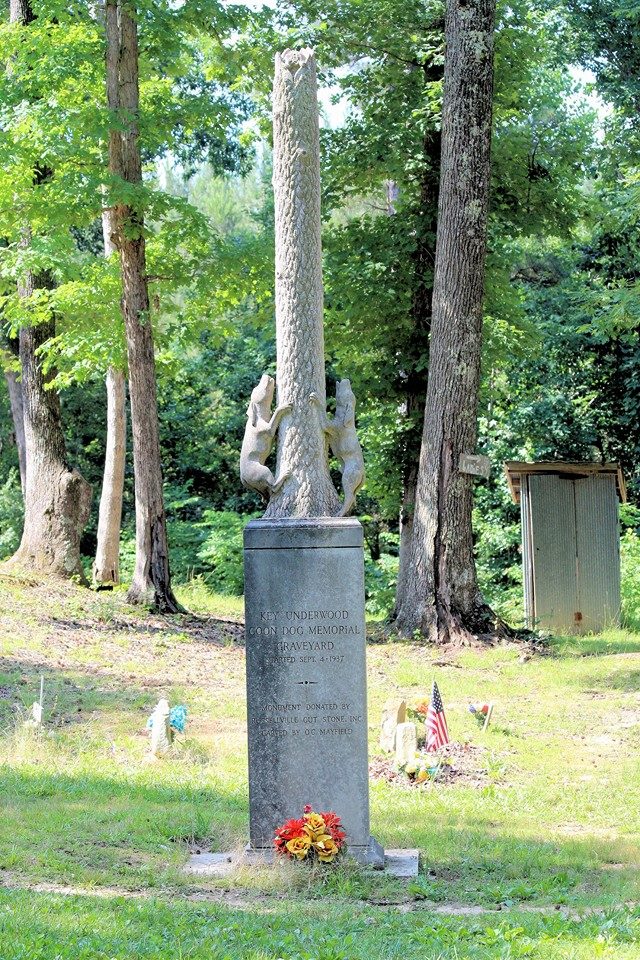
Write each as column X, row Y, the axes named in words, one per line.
column 534, row 853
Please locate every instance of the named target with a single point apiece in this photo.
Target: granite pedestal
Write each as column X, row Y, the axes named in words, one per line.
column 306, row 677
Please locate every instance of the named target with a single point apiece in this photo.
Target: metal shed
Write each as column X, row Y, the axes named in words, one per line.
column 570, row 543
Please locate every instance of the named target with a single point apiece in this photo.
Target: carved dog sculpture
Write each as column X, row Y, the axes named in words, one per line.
column 258, row 439
column 344, row 442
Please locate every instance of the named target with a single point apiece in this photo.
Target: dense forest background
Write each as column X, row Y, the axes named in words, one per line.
column 561, row 363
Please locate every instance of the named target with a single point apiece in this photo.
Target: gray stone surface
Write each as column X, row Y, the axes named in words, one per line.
column 211, row 864
column 306, row 676
column 393, row 713
column 406, row 743
column 402, row 863
column 258, row 439
column 160, row 730
column 399, row 863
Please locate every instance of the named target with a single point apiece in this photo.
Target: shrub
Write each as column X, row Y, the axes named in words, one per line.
column 380, row 577
column 11, row 514
column 630, row 564
column 221, row 551
column 210, row 548
column 499, row 564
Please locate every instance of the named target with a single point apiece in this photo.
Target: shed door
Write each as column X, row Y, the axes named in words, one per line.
column 598, row 551
column 554, row 548
column 575, row 548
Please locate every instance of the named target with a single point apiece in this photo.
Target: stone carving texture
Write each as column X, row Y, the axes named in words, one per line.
column 344, row 442
column 258, row 439
column 302, row 444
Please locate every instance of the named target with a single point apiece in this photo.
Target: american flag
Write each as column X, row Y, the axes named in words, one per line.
column 436, row 722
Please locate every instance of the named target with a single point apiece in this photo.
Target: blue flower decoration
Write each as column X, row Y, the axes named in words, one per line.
column 178, row 718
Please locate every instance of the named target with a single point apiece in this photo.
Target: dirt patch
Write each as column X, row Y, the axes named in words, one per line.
column 267, row 903
column 463, row 766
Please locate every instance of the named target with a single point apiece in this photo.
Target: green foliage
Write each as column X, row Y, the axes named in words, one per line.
column 498, row 559
column 561, row 363
column 209, row 549
column 54, row 120
column 380, row 578
column 630, row 584
column 11, row 514
column 221, row 551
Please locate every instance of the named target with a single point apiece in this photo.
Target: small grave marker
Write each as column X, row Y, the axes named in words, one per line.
column 394, row 712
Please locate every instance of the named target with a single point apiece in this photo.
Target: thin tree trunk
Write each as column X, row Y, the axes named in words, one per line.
column 57, row 498
column 441, row 599
column 106, row 567
column 21, row 11
column 151, row 579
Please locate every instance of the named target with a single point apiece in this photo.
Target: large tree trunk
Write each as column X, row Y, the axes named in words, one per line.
column 14, row 388
column 416, row 382
column 57, row 498
column 441, row 598
column 106, row 566
column 151, row 579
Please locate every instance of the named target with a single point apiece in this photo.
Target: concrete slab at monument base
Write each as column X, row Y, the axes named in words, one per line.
column 397, row 863
column 369, row 855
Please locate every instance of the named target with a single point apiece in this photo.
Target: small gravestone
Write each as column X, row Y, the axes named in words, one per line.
column 393, row 713
column 161, row 734
column 406, row 743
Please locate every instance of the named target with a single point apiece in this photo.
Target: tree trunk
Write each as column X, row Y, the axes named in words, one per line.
column 14, row 388
column 57, row 498
column 21, row 11
column 302, row 447
column 151, row 580
column 416, row 384
column 441, row 597
column 106, row 567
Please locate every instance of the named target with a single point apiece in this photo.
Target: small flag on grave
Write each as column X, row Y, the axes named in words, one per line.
column 436, row 722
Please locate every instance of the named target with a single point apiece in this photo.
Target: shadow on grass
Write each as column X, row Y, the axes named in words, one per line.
column 625, row 680
column 111, row 828
column 196, row 628
column 595, row 646
column 51, row 927
column 129, row 829
column 69, row 695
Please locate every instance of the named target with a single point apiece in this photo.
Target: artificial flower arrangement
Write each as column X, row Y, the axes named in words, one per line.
column 421, row 768
column 314, row 836
column 177, row 720
column 418, row 714
column 481, row 713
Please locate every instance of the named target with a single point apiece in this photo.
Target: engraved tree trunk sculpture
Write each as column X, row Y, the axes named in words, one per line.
column 302, row 445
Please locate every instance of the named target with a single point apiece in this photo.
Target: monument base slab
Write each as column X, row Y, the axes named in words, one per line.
column 397, row 863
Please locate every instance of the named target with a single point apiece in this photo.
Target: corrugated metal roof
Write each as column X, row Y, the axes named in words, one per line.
column 515, row 470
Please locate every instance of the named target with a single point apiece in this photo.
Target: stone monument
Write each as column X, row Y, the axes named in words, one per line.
column 304, row 566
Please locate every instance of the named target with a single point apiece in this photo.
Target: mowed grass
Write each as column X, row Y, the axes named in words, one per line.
column 547, row 822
